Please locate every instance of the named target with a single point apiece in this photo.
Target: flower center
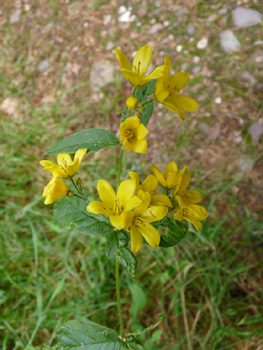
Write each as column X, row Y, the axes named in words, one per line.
column 117, row 207
column 63, row 164
column 139, row 221
column 129, row 134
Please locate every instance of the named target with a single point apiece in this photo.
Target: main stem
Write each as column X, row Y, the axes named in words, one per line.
column 117, row 264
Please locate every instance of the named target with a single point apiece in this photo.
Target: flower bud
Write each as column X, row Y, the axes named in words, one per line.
column 79, row 182
column 70, row 193
column 132, row 102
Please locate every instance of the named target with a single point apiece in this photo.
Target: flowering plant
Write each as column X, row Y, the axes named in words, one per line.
column 136, row 213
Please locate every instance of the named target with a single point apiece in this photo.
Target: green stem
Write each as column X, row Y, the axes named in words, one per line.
column 76, row 187
column 76, row 195
column 119, row 169
column 149, row 101
column 119, row 298
column 134, row 90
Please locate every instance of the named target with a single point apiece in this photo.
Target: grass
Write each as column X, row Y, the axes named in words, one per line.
column 209, row 286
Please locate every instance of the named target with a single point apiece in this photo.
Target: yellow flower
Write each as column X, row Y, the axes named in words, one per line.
column 167, row 89
column 170, row 177
column 191, row 212
column 188, row 197
column 139, row 225
column 116, row 207
column 149, row 185
column 133, row 133
column 54, row 190
column 66, row 167
column 135, row 74
column 132, row 102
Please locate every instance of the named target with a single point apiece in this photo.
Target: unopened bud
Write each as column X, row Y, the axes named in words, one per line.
column 161, row 317
column 79, row 182
column 70, row 193
column 132, row 102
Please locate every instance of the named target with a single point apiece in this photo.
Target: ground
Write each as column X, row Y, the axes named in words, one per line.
column 59, row 75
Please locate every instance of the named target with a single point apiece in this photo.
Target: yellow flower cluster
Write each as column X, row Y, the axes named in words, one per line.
column 66, row 168
column 186, row 200
column 166, row 92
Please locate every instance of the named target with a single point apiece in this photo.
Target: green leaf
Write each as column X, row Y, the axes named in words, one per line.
column 139, row 299
column 87, row 335
column 116, row 249
column 72, row 210
column 146, row 115
column 145, row 91
column 92, row 139
column 176, row 231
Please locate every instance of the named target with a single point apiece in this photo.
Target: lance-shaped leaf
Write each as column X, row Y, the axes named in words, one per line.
column 72, row 210
column 92, row 139
column 175, row 232
column 116, row 249
column 87, row 335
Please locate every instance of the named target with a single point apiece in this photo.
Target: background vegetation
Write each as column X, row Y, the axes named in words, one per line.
column 58, row 76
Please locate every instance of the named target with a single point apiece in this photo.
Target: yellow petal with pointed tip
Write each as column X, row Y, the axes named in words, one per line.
column 178, row 81
column 197, row 212
column 146, row 199
column 155, row 213
column 122, row 58
column 141, row 132
column 183, row 103
column 161, row 199
column 185, row 182
column 106, row 192
column 125, row 191
column 160, row 93
column 151, row 235
column 135, row 176
column 150, row 184
column 80, row 154
column 132, row 77
column 157, row 73
column 136, row 239
column 126, row 218
column 64, row 160
column 97, row 207
column 142, row 60
column 191, row 197
column 117, row 222
column 53, row 168
column 133, row 203
column 171, row 168
column 73, row 167
column 140, row 146
column 159, row 176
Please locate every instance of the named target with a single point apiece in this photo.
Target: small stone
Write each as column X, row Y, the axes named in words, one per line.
column 229, row 41
column 202, row 44
column 15, row 17
column 109, row 46
column 142, row 10
column 212, row 17
column 256, row 131
column 107, row 20
column 102, row 73
column 246, row 76
column 183, row 11
column 196, row 59
column 223, row 11
column 86, row 24
column 43, row 65
column 155, row 28
column 244, row 17
column 74, row 8
column 179, row 48
column 153, row 20
column 223, row 21
column 196, row 69
column 257, row 57
column 190, row 29
column 246, row 164
column 218, row 100
column 10, row 106
column 166, row 23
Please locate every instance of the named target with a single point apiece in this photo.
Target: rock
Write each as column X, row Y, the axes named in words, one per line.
column 155, row 28
column 246, row 76
column 202, row 44
column 142, row 10
column 257, row 57
column 218, row 100
column 223, row 11
column 223, row 21
column 107, row 20
column 212, row 17
column 196, row 59
column 256, row 131
column 183, row 11
column 229, row 41
column 42, row 66
column 196, row 69
column 179, row 48
column 190, row 29
column 15, row 17
column 109, row 46
column 74, row 8
column 102, row 73
column 11, row 107
column 244, row 17
column 245, row 164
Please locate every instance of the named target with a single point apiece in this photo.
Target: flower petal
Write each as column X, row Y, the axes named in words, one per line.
column 54, row 190
column 117, row 221
column 64, row 160
column 142, row 60
column 132, row 77
column 178, row 81
column 151, row 235
column 146, row 199
column 127, row 217
column 135, row 176
column 161, row 199
column 132, row 122
column 106, row 192
column 73, row 167
column 160, row 93
column 53, row 168
column 171, row 168
column 183, row 103
column 125, row 191
column 122, row 58
column 196, row 211
column 141, row 132
column 191, row 197
column 133, row 203
column 97, row 207
column 155, row 213
column 185, row 182
column 136, row 239
column 150, row 184
column 80, row 154
column 155, row 74
column 159, row 176
column 139, row 146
